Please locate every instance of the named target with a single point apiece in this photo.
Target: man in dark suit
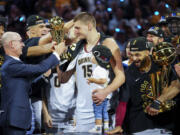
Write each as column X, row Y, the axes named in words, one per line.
column 16, row 82
column 2, row 30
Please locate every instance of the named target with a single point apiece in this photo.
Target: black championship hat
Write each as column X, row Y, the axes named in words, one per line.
column 139, row 44
column 102, row 55
column 157, row 31
column 162, row 21
column 174, row 23
column 34, row 20
column 174, row 16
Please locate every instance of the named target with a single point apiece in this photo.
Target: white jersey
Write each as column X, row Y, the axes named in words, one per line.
column 84, row 103
column 60, row 97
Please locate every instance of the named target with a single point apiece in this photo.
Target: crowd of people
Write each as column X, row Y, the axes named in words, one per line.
column 116, row 70
column 122, row 19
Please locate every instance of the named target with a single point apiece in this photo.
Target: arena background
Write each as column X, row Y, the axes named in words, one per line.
column 123, row 19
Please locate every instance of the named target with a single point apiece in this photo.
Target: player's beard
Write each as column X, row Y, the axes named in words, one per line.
column 145, row 64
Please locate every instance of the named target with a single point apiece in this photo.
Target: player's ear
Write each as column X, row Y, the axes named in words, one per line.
column 90, row 26
column 10, row 44
column 32, row 31
column 161, row 39
column 28, row 33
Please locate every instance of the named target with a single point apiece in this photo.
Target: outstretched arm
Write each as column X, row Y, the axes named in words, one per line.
column 64, row 76
column 18, row 68
column 45, row 39
column 116, row 64
column 39, row 50
column 68, row 25
column 44, row 45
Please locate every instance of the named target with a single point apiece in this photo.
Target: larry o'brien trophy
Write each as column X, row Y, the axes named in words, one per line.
column 164, row 55
column 56, row 24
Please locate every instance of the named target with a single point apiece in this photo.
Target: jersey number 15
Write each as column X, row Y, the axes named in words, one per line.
column 87, row 70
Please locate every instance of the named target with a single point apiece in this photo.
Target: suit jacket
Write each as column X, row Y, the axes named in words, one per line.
column 16, row 87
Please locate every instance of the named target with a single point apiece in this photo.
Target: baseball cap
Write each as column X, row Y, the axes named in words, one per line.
column 174, row 16
column 34, row 20
column 157, row 31
column 102, row 55
column 139, row 44
column 162, row 21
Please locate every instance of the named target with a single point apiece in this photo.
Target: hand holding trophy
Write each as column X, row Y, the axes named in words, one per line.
column 58, row 34
column 164, row 54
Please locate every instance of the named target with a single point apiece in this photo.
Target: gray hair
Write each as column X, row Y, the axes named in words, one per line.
column 7, row 37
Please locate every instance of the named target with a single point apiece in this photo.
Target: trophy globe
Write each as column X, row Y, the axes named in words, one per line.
column 164, row 53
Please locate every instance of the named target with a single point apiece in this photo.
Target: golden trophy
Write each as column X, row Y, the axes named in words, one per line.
column 164, row 55
column 58, row 34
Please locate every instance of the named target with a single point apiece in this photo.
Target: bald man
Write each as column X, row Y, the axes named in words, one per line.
column 16, row 82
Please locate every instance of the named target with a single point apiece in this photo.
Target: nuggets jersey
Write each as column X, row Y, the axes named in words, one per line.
column 84, row 103
column 60, row 97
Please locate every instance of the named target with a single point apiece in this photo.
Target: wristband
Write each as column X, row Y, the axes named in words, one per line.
column 46, row 79
column 156, row 104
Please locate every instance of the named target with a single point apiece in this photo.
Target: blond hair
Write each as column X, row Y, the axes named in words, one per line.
column 85, row 18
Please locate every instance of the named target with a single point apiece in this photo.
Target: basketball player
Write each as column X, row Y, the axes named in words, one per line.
column 155, row 35
column 85, row 29
column 59, row 102
column 38, row 44
column 137, row 122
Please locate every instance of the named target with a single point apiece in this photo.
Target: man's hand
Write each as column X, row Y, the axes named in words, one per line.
column 118, row 129
column 177, row 68
column 48, row 73
column 98, row 96
column 53, row 44
column 48, row 120
column 60, row 48
column 154, row 108
column 152, row 111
